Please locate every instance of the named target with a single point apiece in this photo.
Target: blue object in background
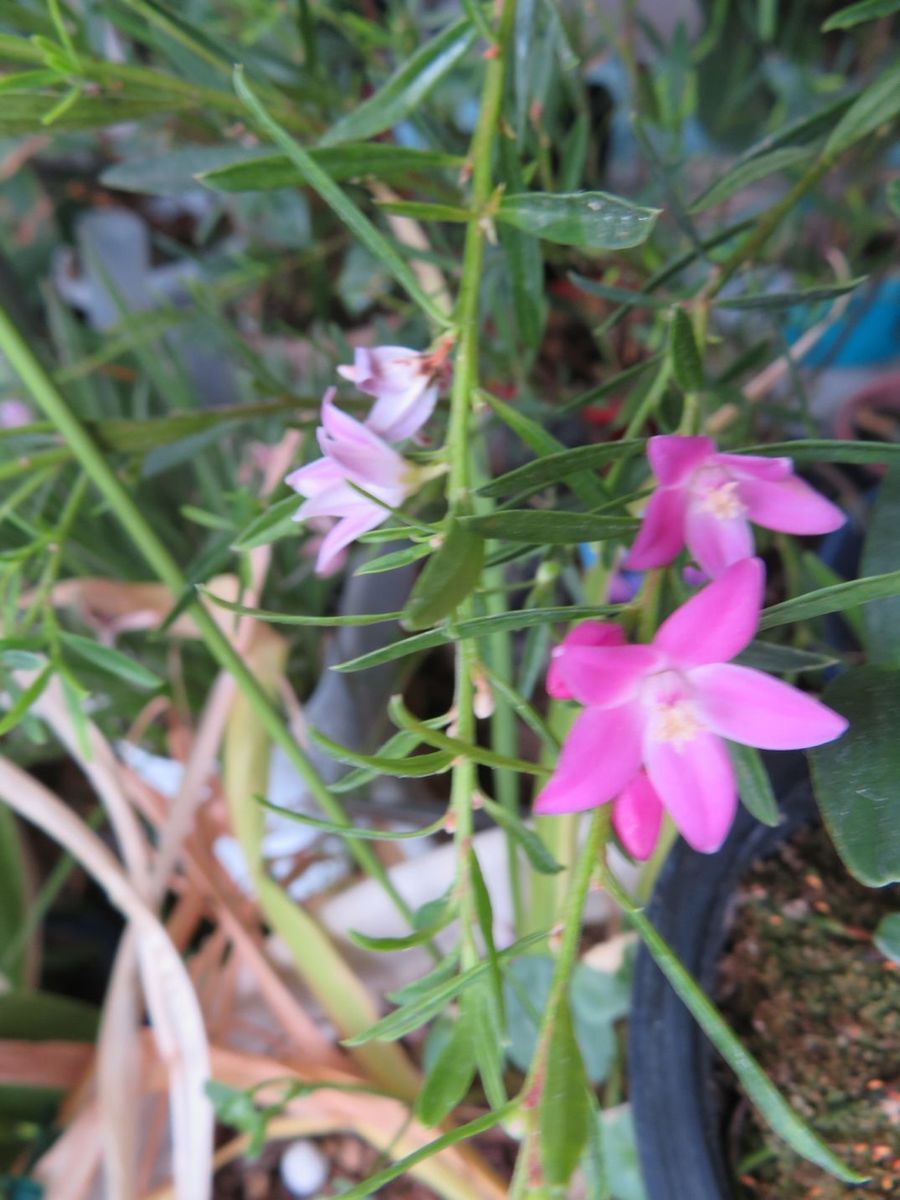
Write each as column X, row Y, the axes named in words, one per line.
column 867, row 335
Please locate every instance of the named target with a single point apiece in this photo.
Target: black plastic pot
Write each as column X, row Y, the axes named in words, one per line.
column 680, row 1113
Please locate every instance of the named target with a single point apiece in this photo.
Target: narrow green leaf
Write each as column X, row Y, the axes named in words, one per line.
column 524, row 260
column 277, row 618
column 831, row 599
column 414, row 1013
column 856, row 776
column 878, row 105
column 530, row 842
column 564, row 1112
column 881, row 553
column 856, row 14
column 687, row 365
column 754, row 787
column 782, row 660
column 114, row 662
column 618, row 295
column 395, row 559
column 416, row 766
column 543, row 527
column 450, row 1076
column 389, row 945
column 406, row 89
column 779, row 300
column 370, row 1187
column 450, row 575
column 759, row 1089
column 561, row 465
column 749, row 171
column 275, row 523
column 589, row 220
column 401, row 716
column 25, row 699
column 826, row 450
column 261, row 170
column 474, row 628
column 587, row 487
column 421, row 210
column 484, row 914
column 357, row 832
column 359, row 225
column 487, row 1034
column 887, row 937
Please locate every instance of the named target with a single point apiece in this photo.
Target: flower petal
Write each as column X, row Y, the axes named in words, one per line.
column 637, row 817
column 342, row 534
column 315, row 477
column 605, row 676
column 695, row 782
column 588, row 633
column 753, row 708
column 362, row 453
column 791, row 506
column 383, row 370
column 661, row 535
column 601, row 754
column 716, row 542
column 397, row 417
column 719, row 621
column 755, row 466
column 673, row 457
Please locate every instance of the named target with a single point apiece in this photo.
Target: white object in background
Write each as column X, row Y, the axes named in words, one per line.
column 304, row 1168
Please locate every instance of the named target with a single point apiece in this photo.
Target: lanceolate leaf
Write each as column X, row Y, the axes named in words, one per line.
column 856, row 14
column 826, row 450
column 878, row 105
column 114, row 662
column 564, row 1111
column 545, row 527
column 881, row 553
column 406, row 88
column 790, row 299
column 831, row 599
column 589, row 220
column 687, row 365
column 416, row 766
column 750, row 171
column 856, row 776
column 451, row 573
column 450, row 1076
column 275, row 523
column 261, row 170
column 554, row 468
column 754, row 786
column 887, row 937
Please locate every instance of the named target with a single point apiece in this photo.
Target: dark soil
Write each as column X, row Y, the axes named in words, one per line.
column 813, row 999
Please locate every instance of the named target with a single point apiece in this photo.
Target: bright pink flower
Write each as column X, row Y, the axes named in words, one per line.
column 650, row 735
column 352, row 454
column 707, row 500
column 404, row 384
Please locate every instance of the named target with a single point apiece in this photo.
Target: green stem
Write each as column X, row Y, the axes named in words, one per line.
column 104, row 478
column 750, row 247
column 524, row 1183
column 465, row 384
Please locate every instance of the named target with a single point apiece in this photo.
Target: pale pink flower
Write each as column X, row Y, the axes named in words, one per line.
column 707, row 500
column 352, row 454
column 650, row 736
column 404, row 383
column 14, row 413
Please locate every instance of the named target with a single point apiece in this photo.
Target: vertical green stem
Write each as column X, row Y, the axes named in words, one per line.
column 104, row 478
column 465, row 383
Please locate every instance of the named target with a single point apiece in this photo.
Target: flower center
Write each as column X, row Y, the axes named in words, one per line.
column 676, row 723
column 673, row 717
column 721, row 500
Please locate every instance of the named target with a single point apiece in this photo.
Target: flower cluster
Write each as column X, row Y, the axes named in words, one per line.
column 361, row 476
column 650, row 736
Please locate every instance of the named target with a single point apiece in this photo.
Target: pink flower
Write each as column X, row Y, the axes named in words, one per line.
column 14, row 413
column 706, row 500
column 650, row 736
column 352, row 454
column 404, row 384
